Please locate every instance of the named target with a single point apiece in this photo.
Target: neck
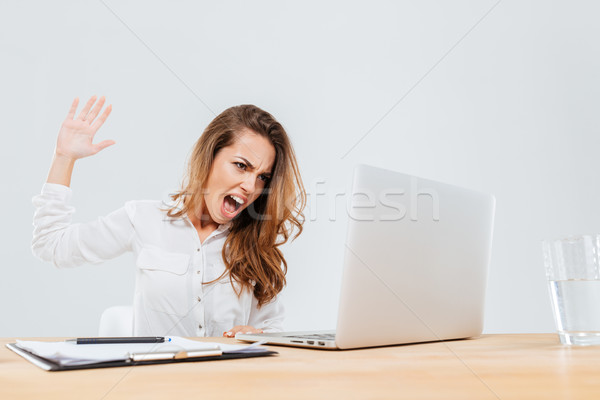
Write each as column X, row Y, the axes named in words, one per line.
column 201, row 219
column 203, row 222
column 203, row 227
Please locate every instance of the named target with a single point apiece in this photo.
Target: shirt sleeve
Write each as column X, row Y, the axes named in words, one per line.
column 269, row 317
column 57, row 240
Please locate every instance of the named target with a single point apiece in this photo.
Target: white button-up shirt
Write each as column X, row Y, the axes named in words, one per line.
column 172, row 266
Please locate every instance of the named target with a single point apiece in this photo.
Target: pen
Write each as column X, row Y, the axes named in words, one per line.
column 114, row 340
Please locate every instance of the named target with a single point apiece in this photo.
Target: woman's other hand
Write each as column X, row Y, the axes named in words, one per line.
column 241, row 328
column 77, row 132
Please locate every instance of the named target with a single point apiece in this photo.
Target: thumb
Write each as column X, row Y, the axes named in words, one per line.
column 102, row 145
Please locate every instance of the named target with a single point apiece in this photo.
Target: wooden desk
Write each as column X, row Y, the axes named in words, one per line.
column 523, row 366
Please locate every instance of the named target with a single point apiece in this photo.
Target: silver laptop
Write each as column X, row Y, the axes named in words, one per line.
column 415, row 266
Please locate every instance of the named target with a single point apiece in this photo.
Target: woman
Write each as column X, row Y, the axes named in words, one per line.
column 208, row 264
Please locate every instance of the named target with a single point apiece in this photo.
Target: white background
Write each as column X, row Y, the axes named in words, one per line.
column 498, row 97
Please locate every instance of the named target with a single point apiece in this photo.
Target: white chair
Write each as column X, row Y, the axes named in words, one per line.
column 116, row 321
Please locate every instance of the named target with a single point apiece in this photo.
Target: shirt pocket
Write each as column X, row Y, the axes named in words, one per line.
column 163, row 281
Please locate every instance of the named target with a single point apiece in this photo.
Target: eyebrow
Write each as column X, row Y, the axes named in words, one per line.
column 250, row 165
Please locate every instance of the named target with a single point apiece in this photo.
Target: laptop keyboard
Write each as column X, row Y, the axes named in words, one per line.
column 317, row 336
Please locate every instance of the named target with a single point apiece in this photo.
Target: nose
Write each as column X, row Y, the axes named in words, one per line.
column 248, row 185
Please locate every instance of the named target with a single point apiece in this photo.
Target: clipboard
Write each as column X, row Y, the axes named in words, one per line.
column 140, row 359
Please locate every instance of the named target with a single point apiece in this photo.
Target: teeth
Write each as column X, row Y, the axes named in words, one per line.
column 237, row 199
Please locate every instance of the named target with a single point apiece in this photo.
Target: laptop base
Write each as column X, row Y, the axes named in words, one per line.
column 324, row 340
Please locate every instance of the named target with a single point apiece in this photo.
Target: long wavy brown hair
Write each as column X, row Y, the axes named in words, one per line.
column 251, row 252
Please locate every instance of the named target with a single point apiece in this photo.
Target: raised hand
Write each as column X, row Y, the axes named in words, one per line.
column 75, row 139
column 76, row 135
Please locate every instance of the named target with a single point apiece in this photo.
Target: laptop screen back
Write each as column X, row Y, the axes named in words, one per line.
column 416, row 260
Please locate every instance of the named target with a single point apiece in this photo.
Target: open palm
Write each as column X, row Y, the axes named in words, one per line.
column 75, row 139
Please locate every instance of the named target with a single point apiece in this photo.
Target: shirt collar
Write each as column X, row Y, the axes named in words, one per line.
column 221, row 228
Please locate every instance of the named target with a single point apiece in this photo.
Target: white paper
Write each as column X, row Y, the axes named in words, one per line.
column 80, row 354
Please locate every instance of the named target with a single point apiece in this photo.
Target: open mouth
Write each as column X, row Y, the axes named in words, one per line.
column 232, row 204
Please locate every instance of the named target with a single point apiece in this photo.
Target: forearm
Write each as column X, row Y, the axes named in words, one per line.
column 56, row 239
column 269, row 317
column 61, row 170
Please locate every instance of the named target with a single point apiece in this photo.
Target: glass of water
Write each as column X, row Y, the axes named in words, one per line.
column 573, row 271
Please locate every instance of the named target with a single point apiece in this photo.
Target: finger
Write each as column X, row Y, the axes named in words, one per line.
column 102, row 145
column 233, row 331
column 230, row 333
column 98, row 123
column 71, row 113
column 243, row 329
column 86, row 109
column 95, row 110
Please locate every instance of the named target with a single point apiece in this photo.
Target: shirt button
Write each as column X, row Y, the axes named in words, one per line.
column 198, row 272
column 199, row 326
column 198, row 249
column 199, row 299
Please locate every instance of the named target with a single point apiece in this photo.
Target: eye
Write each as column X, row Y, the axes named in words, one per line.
column 240, row 165
column 264, row 178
